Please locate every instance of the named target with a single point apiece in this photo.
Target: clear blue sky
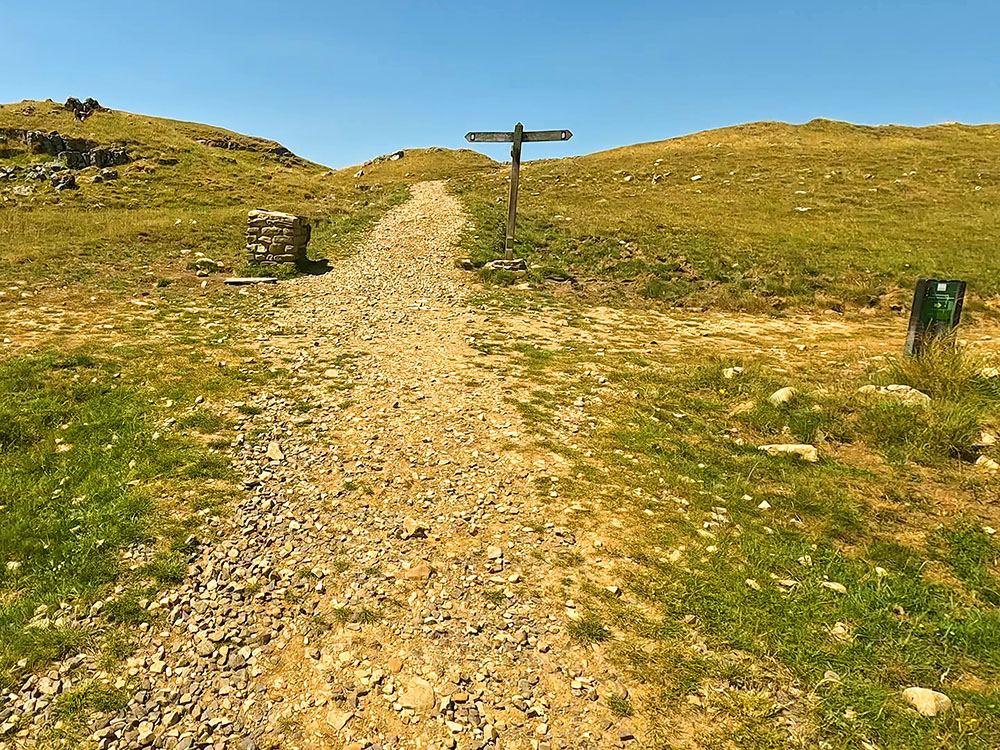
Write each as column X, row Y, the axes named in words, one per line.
column 339, row 82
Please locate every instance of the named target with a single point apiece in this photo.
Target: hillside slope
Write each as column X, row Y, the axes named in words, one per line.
column 761, row 216
column 182, row 188
column 758, row 217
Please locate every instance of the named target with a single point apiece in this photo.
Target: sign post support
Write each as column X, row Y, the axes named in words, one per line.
column 516, row 137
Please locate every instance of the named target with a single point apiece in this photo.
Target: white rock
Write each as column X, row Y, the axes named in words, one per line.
column 782, row 395
column 834, row 586
column 927, row 702
column 902, row 393
column 805, row 452
column 986, row 439
column 987, row 464
column 840, row 631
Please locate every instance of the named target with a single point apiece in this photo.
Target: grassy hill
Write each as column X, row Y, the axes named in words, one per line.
column 186, row 190
column 758, row 217
column 761, row 216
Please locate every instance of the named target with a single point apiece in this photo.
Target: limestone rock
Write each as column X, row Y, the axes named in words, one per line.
column 927, row 702
column 782, row 395
column 417, row 573
column 805, row 452
column 338, row 719
column 419, row 695
column 412, row 529
column 902, row 393
column 986, row 439
column 987, row 464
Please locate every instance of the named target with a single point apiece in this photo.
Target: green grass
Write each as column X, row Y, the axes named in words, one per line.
column 363, row 615
column 88, row 469
column 67, row 513
column 963, row 404
column 588, row 630
column 620, row 706
column 887, row 204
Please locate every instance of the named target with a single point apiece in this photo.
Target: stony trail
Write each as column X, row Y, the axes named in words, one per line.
column 385, row 581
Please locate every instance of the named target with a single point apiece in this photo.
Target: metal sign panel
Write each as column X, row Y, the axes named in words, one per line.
column 532, row 136
column 937, row 309
column 547, row 135
column 491, row 137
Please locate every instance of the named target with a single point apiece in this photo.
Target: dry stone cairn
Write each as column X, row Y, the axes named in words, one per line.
column 274, row 237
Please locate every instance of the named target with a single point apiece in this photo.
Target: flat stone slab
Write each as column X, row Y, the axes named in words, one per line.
column 244, row 280
column 502, row 264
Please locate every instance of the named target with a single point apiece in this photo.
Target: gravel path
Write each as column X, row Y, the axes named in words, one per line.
column 385, row 582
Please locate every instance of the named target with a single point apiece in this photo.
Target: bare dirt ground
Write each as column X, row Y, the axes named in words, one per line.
column 409, row 476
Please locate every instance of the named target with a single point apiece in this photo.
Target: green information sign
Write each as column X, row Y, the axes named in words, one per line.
column 937, row 309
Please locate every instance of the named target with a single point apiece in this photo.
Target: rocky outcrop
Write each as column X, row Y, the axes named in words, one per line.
column 75, row 153
column 234, row 144
column 63, row 181
column 83, row 110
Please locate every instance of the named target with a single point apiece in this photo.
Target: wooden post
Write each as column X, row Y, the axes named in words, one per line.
column 515, row 171
column 516, row 138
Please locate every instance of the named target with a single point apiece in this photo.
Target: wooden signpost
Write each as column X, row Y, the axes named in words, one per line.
column 518, row 136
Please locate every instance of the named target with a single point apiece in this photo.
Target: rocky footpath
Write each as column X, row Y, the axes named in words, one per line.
column 387, row 580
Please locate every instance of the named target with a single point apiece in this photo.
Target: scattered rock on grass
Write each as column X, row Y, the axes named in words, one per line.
column 805, row 452
column 63, row 181
column 902, row 393
column 927, row 702
column 986, row 439
column 987, row 464
column 782, row 395
column 834, row 586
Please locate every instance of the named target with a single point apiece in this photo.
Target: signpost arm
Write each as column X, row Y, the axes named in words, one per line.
column 515, row 169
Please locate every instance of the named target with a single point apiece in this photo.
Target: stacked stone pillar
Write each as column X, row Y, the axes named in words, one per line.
column 274, row 237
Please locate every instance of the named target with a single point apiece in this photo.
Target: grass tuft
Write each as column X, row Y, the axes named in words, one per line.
column 588, row 630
